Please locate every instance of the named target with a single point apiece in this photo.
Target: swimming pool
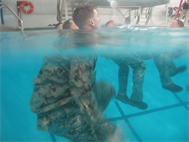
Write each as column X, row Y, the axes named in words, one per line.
column 166, row 118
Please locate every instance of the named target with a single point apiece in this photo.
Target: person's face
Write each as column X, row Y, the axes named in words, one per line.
column 73, row 25
column 96, row 21
column 174, row 24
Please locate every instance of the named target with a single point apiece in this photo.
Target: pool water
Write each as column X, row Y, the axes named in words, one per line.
column 166, row 118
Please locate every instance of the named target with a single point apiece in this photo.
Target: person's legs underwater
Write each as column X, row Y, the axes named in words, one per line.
column 104, row 93
column 78, row 130
column 123, row 80
column 139, row 68
column 163, row 63
column 173, row 70
column 138, row 79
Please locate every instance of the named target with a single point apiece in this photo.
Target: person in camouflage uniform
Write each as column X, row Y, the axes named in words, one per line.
column 165, row 66
column 139, row 67
column 164, row 63
column 68, row 100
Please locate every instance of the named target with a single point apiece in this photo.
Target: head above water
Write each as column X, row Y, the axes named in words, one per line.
column 110, row 24
column 177, row 24
column 58, row 26
column 86, row 17
column 69, row 24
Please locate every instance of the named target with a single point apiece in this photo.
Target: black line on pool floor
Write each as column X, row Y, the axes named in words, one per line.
column 148, row 111
column 53, row 137
column 128, row 123
column 178, row 98
column 125, row 117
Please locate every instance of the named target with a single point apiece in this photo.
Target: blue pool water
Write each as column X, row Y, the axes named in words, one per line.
column 166, row 118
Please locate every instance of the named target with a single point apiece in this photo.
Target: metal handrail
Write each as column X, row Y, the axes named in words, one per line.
column 4, row 5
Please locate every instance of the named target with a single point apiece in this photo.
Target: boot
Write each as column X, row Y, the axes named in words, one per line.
column 123, row 98
column 140, row 105
column 173, row 88
column 178, row 70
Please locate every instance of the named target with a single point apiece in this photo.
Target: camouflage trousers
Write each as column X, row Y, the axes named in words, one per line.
column 75, row 128
column 139, row 68
column 163, row 62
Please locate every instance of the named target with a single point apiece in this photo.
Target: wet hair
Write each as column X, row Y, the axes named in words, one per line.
column 82, row 14
column 67, row 24
column 56, row 25
column 180, row 23
column 109, row 22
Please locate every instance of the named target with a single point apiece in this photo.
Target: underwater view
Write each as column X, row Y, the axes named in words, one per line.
column 135, row 80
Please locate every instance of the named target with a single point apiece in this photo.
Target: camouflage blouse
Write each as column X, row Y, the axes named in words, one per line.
column 63, row 100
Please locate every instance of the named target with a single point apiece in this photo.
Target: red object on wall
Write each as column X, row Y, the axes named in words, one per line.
column 18, row 10
column 27, row 3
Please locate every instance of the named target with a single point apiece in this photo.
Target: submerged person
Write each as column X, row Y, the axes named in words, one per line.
column 69, row 24
column 58, row 26
column 110, row 23
column 171, row 67
column 67, row 99
column 164, row 64
column 177, row 24
column 139, row 68
column 87, row 18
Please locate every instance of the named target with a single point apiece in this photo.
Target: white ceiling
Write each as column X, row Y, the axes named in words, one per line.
column 142, row 3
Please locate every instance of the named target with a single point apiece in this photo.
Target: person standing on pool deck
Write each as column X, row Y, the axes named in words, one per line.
column 185, row 11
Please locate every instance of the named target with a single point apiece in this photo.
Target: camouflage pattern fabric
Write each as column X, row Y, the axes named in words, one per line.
column 138, row 66
column 69, row 102
column 164, row 63
column 165, row 66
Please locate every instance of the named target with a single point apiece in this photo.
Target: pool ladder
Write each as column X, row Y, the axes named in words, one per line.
column 4, row 5
column 146, row 14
